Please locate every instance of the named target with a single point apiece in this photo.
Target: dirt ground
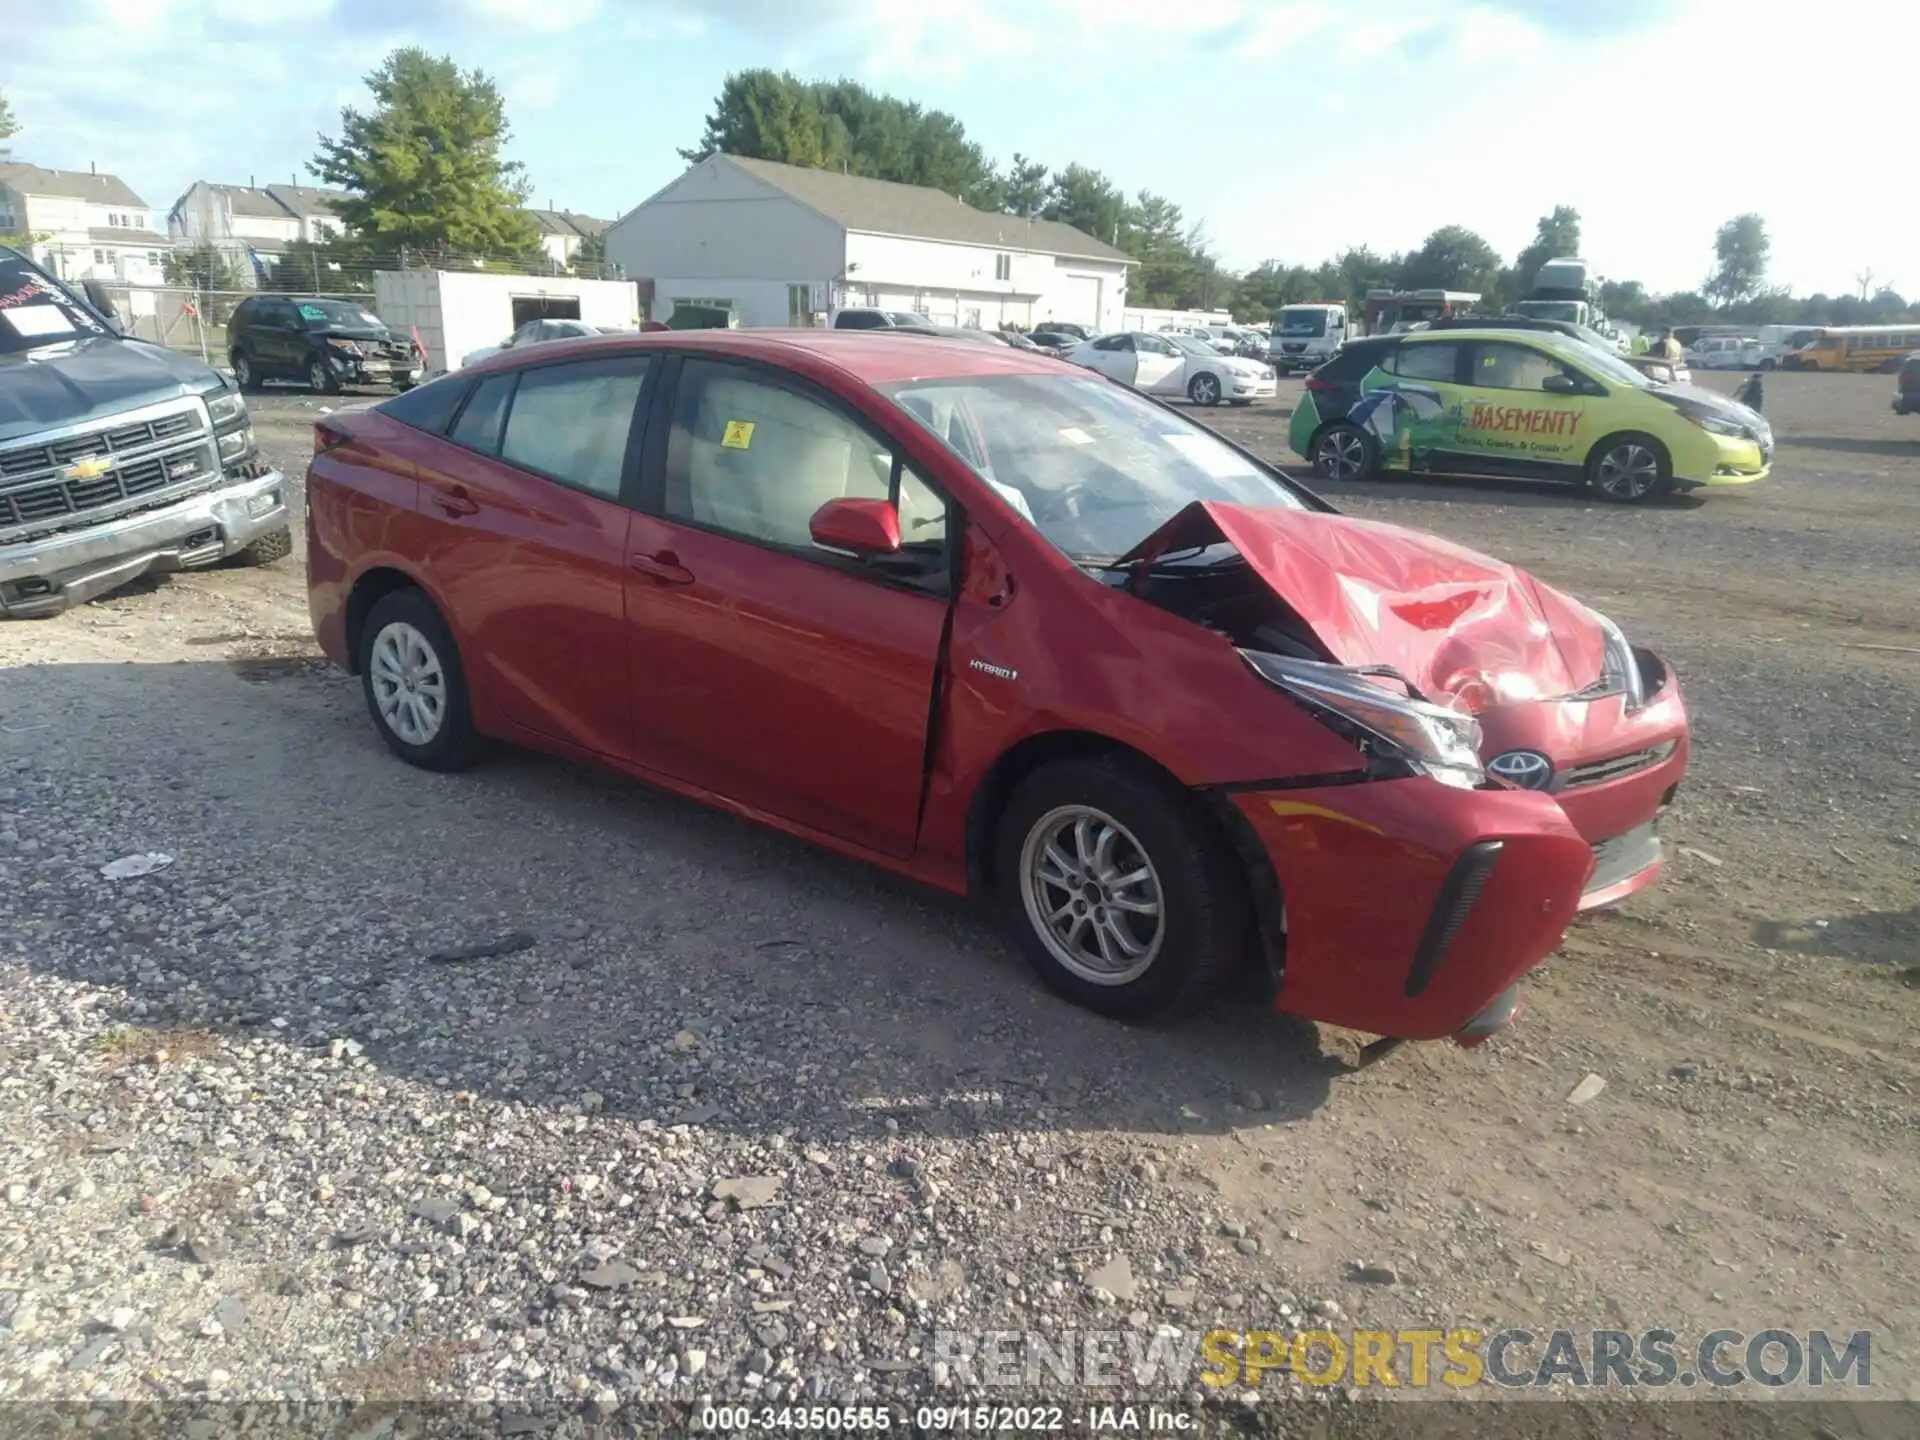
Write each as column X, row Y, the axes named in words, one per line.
column 1751, row 1163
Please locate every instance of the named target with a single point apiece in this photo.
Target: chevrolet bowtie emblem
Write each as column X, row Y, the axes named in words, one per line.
column 91, row 468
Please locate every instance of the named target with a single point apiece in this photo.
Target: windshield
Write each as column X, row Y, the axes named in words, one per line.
column 1094, row 467
column 1190, row 345
column 905, row 317
column 34, row 311
column 1609, row 365
column 1302, row 323
column 1568, row 310
column 337, row 312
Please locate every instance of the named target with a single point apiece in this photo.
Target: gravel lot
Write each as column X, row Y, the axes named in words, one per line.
column 728, row 1116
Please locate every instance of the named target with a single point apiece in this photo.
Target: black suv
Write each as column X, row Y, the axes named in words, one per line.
column 326, row 343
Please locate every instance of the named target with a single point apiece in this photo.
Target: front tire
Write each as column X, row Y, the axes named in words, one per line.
column 268, row 548
column 320, row 377
column 1344, row 452
column 415, row 686
column 1204, row 390
column 1118, row 889
column 1629, row 469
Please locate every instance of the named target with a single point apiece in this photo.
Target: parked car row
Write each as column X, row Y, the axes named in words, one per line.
column 1176, row 364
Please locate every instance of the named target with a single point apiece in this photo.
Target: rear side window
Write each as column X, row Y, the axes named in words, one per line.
column 428, row 407
column 1428, row 362
column 572, row 421
column 478, row 427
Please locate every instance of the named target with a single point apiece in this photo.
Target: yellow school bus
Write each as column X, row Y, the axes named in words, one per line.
column 1859, row 348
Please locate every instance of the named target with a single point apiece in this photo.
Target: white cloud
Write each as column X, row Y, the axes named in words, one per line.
column 543, row 15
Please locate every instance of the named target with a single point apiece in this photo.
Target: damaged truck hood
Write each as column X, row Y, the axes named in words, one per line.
column 89, row 379
column 1457, row 624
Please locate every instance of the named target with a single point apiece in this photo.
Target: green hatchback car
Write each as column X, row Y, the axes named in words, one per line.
column 1533, row 405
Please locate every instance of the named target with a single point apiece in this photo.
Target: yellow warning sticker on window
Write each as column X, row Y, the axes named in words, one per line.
column 739, row 435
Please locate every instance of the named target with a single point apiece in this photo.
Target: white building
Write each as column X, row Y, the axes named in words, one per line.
column 250, row 226
column 781, row 245
column 85, row 225
column 562, row 233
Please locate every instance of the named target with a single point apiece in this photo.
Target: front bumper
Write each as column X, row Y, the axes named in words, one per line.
column 1411, row 907
column 48, row 575
column 1251, row 390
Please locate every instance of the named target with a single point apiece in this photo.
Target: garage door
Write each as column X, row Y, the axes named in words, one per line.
column 1078, row 300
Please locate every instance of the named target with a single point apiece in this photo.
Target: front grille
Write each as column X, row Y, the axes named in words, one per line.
column 146, row 455
column 1598, row 772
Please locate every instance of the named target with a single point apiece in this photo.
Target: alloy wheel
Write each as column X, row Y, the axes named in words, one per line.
column 1206, row 390
column 1627, row 472
column 1342, row 455
column 409, row 683
column 317, row 377
column 1092, row 895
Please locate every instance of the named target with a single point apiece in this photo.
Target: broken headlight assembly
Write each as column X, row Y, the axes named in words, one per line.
column 1406, row 729
column 1619, row 667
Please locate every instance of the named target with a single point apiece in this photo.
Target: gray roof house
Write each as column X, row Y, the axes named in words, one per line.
column 785, row 245
column 86, row 225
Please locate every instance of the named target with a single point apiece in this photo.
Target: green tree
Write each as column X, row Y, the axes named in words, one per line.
column 1555, row 236
column 1024, row 188
column 769, row 115
column 9, row 127
column 201, row 267
column 1087, row 200
column 424, row 167
column 1451, row 258
column 1740, row 250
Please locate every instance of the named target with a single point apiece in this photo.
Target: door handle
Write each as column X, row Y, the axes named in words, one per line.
column 457, row 501
column 664, row 567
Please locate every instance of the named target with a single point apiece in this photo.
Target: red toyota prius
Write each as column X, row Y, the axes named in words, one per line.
column 1010, row 628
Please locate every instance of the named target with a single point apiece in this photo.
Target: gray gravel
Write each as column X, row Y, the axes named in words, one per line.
column 727, row 1116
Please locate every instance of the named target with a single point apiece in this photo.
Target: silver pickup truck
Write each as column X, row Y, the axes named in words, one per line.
column 117, row 458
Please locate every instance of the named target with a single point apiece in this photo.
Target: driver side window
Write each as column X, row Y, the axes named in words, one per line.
column 1114, row 342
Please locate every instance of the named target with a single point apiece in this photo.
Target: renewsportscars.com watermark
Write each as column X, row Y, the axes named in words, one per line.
column 1167, row 1359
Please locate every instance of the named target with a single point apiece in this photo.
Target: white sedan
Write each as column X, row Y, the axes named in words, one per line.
column 1175, row 365
column 536, row 332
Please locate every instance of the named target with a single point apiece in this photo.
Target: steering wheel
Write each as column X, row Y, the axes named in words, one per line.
column 1061, row 504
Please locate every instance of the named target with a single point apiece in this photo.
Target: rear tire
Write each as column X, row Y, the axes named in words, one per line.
column 1118, row 889
column 268, row 548
column 1344, row 452
column 415, row 686
column 1629, row 469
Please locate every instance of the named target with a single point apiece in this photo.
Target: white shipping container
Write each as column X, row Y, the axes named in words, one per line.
column 457, row 312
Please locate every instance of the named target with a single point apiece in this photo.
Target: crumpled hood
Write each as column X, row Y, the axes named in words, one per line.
column 1461, row 626
column 90, row 379
column 1702, row 401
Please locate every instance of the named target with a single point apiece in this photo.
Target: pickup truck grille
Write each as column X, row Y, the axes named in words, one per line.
column 165, row 448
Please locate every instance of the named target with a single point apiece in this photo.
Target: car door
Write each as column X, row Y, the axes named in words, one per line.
column 1411, row 403
column 789, row 680
column 1160, row 367
column 525, row 509
column 1514, row 421
column 1113, row 356
column 271, row 336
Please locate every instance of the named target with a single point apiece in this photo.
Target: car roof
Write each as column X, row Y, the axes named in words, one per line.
column 873, row 357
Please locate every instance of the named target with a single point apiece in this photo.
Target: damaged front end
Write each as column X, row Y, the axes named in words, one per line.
column 1420, row 887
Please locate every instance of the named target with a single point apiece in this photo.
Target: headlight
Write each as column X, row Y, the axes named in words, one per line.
column 235, row 443
column 1443, row 743
column 224, row 407
column 1619, row 671
column 346, row 347
column 1718, row 425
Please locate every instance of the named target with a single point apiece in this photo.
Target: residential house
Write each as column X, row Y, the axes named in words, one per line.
column 783, row 245
column 250, row 225
column 84, row 225
column 562, row 233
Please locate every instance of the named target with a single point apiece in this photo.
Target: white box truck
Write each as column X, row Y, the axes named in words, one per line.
column 456, row 312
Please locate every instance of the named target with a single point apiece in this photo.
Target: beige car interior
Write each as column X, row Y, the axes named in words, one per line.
column 797, row 456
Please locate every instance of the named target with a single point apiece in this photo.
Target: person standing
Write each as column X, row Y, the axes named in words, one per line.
column 1666, row 347
column 1639, row 342
column 1749, row 394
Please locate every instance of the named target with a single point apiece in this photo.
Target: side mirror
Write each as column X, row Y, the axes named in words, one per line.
column 98, row 297
column 857, row 527
column 1561, row 385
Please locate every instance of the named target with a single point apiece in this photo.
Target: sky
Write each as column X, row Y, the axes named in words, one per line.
column 1289, row 128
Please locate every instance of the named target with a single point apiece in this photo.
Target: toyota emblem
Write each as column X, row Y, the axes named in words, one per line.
column 1528, row 769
